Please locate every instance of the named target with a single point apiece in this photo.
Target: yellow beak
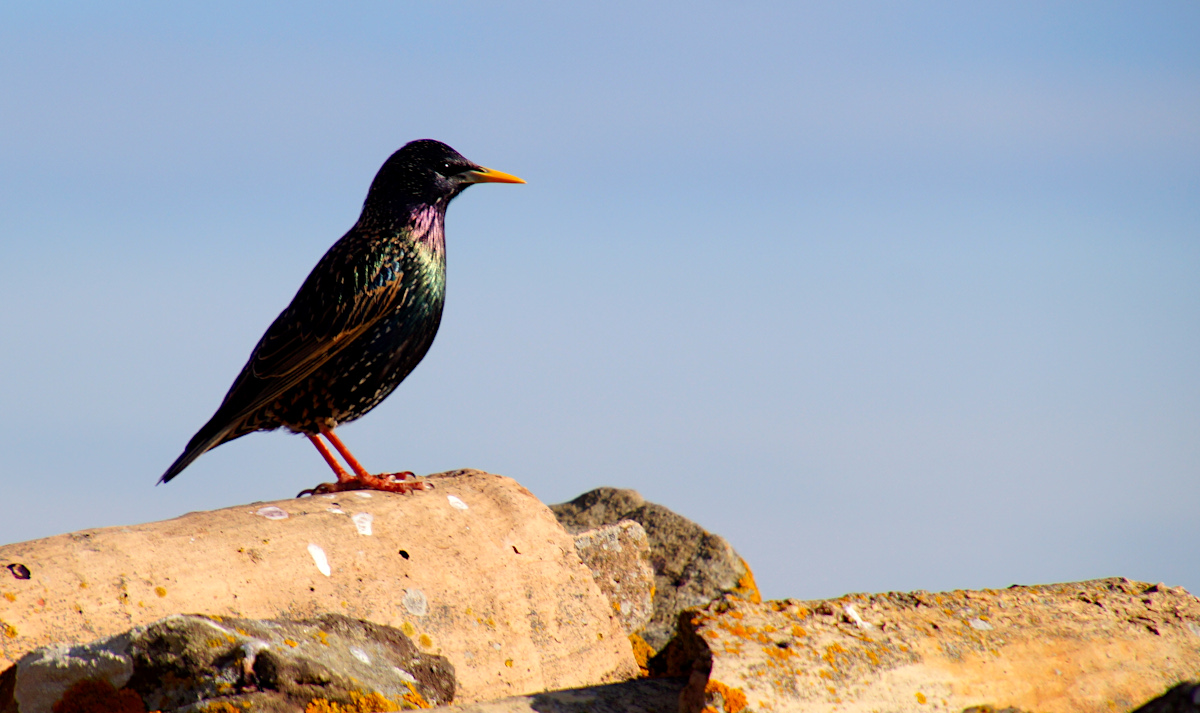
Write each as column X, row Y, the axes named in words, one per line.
column 488, row 175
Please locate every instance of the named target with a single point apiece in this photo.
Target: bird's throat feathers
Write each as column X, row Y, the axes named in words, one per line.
column 427, row 223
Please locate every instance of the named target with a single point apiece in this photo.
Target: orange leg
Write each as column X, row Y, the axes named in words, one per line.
column 362, row 479
column 357, row 467
column 342, row 475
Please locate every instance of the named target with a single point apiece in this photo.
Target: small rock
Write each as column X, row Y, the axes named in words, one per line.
column 619, row 558
column 188, row 663
column 692, row 567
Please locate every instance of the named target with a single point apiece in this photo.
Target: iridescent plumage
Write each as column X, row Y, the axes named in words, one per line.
column 361, row 322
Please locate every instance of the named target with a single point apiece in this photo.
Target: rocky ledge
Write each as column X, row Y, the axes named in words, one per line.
column 477, row 594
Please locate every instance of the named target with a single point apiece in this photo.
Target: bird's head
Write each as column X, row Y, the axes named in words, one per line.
column 427, row 172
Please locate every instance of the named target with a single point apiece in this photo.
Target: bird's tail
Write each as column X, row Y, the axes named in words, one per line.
column 214, row 433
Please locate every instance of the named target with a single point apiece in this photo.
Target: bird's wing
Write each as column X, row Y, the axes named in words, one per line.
column 349, row 290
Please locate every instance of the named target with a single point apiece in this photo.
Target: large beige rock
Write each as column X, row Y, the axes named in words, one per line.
column 476, row 570
column 1088, row 647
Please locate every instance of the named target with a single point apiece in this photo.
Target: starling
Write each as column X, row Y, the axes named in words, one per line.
column 359, row 324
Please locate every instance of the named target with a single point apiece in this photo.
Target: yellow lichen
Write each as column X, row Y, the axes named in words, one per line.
column 10, row 596
column 508, row 663
column 746, row 587
column 291, row 643
column 732, row 700
column 10, row 631
column 414, row 697
column 831, row 654
column 921, row 698
column 408, row 629
column 798, row 630
column 160, row 591
column 642, row 653
column 425, row 641
column 360, row 703
column 322, row 637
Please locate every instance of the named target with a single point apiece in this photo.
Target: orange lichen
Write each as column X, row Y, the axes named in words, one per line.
column 414, row 697
column 732, row 700
column 921, row 698
column 775, row 652
column 98, row 696
column 221, row 707
column 425, row 640
column 798, row 630
column 746, row 587
column 291, row 643
column 508, row 663
column 831, row 654
column 642, row 653
column 322, row 637
column 10, row 596
column 10, row 631
column 360, row 703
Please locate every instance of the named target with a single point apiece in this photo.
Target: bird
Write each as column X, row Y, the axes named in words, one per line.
column 360, row 323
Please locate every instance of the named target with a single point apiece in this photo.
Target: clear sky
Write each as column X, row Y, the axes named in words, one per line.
column 892, row 295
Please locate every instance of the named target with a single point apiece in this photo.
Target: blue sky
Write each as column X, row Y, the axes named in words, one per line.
column 893, row 296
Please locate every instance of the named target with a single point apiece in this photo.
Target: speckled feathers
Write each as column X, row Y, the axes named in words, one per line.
column 365, row 316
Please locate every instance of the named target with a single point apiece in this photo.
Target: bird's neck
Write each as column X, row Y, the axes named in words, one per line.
column 427, row 225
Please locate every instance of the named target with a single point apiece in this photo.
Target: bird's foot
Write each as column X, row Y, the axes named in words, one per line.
column 387, row 482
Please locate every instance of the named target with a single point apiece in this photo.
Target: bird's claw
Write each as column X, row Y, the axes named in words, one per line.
column 387, row 482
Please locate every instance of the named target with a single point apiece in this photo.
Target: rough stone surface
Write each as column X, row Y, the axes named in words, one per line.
column 1087, row 647
column 692, row 567
column 1183, row 698
column 476, row 570
column 646, row 695
column 619, row 558
column 193, row 663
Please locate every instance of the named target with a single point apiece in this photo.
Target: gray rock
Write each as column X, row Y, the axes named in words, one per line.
column 188, row 663
column 692, row 567
column 619, row 558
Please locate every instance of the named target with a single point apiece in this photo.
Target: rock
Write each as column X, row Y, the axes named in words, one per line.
column 1184, row 698
column 619, row 558
column 476, row 570
column 692, row 566
column 646, row 695
column 185, row 664
column 1087, row 647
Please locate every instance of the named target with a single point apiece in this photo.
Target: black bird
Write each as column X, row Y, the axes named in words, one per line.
column 360, row 323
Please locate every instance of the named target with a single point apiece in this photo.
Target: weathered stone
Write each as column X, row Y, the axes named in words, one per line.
column 1087, row 647
column 193, row 663
column 646, row 695
column 692, row 566
column 476, row 570
column 619, row 558
column 1183, row 698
